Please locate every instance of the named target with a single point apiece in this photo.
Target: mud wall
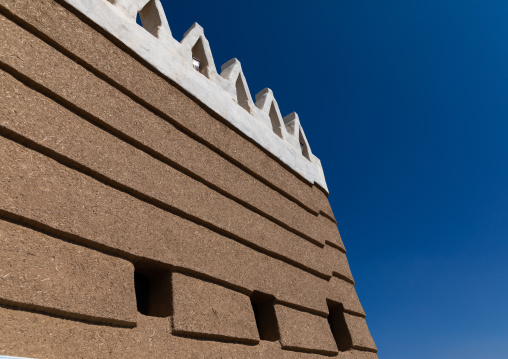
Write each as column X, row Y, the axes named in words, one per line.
column 136, row 223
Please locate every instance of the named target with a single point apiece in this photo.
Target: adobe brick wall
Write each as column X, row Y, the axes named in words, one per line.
column 115, row 182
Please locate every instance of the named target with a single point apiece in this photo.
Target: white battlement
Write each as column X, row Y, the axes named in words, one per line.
column 227, row 93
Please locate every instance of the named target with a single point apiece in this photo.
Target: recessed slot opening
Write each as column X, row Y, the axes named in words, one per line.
column 338, row 325
column 275, row 121
column 198, row 53
column 153, row 291
column 266, row 320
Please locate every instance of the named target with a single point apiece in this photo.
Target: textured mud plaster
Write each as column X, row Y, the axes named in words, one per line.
column 338, row 262
column 206, row 310
column 26, row 334
column 357, row 354
column 302, row 331
column 344, row 292
column 61, row 26
column 323, row 203
column 49, row 275
column 108, row 161
column 330, row 232
column 360, row 334
column 115, row 109
column 60, row 130
column 40, row 189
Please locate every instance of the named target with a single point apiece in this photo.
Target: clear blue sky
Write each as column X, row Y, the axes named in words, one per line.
column 406, row 104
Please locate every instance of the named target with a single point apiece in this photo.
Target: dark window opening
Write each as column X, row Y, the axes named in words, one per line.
column 142, row 286
column 153, row 292
column 266, row 320
column 338, row 326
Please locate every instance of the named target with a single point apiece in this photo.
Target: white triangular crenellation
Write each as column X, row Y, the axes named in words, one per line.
column 150, row 12
column 297, row 136
column 292, row 123
column 226, row 94
column 154, row 20
column 269, row 112
column 195, row 45
column 238, row 88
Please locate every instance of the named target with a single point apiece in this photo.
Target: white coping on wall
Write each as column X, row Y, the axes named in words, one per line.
column 226, row 94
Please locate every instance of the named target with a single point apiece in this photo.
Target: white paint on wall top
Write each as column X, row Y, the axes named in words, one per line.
column 226, row 94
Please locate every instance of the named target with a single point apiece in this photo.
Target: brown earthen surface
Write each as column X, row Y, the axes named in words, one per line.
column 118, row 190
column 105, row 155
column 360, row 333
column 113, row 110
column 203, row 309
column 39, row 189
column 338, row 263
column 323, row 203
column 96, row 51
column 47, row 274
column 330, row 232
column 344, row 292
column 357, row 354
column 150, row 339
column 304, row 332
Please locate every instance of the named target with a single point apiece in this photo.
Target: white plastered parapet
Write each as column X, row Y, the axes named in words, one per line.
column 226, row 94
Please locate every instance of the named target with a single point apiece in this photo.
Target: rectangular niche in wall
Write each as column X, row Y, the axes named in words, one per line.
column 153, row 291
column 264, row 312
column 338, row 326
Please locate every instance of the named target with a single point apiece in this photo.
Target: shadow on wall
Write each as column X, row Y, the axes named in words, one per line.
column 153, row 290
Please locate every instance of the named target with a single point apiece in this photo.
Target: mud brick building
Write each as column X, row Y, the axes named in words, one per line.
column 150, row 207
